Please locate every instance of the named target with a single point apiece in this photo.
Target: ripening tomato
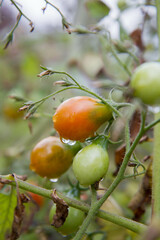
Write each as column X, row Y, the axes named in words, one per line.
column 51, row 158
column 73, row 221
column 79, row 117
column 11, row 110
column 90, row 164
column 146, row 82
column 39, row 200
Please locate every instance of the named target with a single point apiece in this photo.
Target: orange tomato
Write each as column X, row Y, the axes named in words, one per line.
column 78, row 118
column 11, row 110
column 51, row 158
column 39, row 200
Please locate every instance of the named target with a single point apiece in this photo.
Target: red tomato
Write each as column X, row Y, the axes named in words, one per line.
column 78, row 118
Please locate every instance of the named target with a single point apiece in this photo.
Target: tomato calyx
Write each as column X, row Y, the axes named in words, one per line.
column 74, row 147
column 101, row 140
column 75, row 190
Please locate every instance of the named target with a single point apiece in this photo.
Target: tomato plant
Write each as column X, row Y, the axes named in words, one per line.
column 51, row 158
column 78, row 118
column 90, row 164
column 146, row 82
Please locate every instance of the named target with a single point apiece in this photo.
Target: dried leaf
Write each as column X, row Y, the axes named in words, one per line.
column 61, row 210
column 143, row 197
column 18, row 217
column 18, row 213
column 5, row 181
column 119, row 155
column 136, row 36
column 135, row 124
column 30, row 126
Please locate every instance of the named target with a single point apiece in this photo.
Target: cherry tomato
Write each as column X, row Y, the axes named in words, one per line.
column 146, row 82
column 90, row 164
column 79, row 117
column 11, row 110
column 73, row 221
column 39, row 200
column 51, row 158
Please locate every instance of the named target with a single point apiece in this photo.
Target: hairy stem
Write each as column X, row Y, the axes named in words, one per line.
column 119, row 220
column 156, row 149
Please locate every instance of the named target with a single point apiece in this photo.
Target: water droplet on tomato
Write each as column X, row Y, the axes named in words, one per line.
column 54, row 180
column 69, row 142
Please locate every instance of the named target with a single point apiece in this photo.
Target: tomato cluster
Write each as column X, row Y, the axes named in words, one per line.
column 75, row 119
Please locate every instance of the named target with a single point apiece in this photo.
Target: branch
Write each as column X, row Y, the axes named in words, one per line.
column 119, row 220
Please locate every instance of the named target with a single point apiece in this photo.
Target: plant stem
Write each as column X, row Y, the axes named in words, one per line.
column 20, row 11
column 156, row 170
column 119, row 220
column 158, row 22
column 90, row 214
column 156, row 148
column 96, row 205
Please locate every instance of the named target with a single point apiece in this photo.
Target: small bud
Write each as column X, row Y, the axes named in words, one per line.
column 63, row 83
column 32, row 26
column 44, row 73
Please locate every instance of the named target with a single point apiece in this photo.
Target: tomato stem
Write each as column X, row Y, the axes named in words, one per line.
column 119, row 220
column 156, row 148
column 156, row 170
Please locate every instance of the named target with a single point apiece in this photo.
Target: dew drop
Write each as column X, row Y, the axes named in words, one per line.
column 69, row 142
column 154, row 109
column 54, row 180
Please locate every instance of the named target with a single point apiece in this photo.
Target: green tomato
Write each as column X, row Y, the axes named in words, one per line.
column 90, row 164
column 146, row 82
column 73, row 221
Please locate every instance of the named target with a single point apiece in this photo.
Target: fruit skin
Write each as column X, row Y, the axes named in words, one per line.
column 11, row 110
column 39, row 200
column 79, row 117
column 51, row 158
column 90, row 164
column 73, row 221
column 146, row 82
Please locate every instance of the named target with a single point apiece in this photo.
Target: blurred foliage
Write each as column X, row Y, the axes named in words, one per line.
column 90, row 59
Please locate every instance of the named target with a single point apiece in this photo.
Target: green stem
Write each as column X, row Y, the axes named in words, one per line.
column 20, row 10
column 119, row 220
column 158, row 22
column 96, row 205
column 156, row 148
column 156, row 170
column 90, row 214
column 124, row 66
column 82, row 89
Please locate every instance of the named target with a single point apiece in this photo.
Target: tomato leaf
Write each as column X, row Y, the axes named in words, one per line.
column 61, row 211
column 8, row 202
column 97, row 9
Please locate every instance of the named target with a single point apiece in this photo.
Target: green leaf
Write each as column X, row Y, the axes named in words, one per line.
column 97, row 9
column 8, row 203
